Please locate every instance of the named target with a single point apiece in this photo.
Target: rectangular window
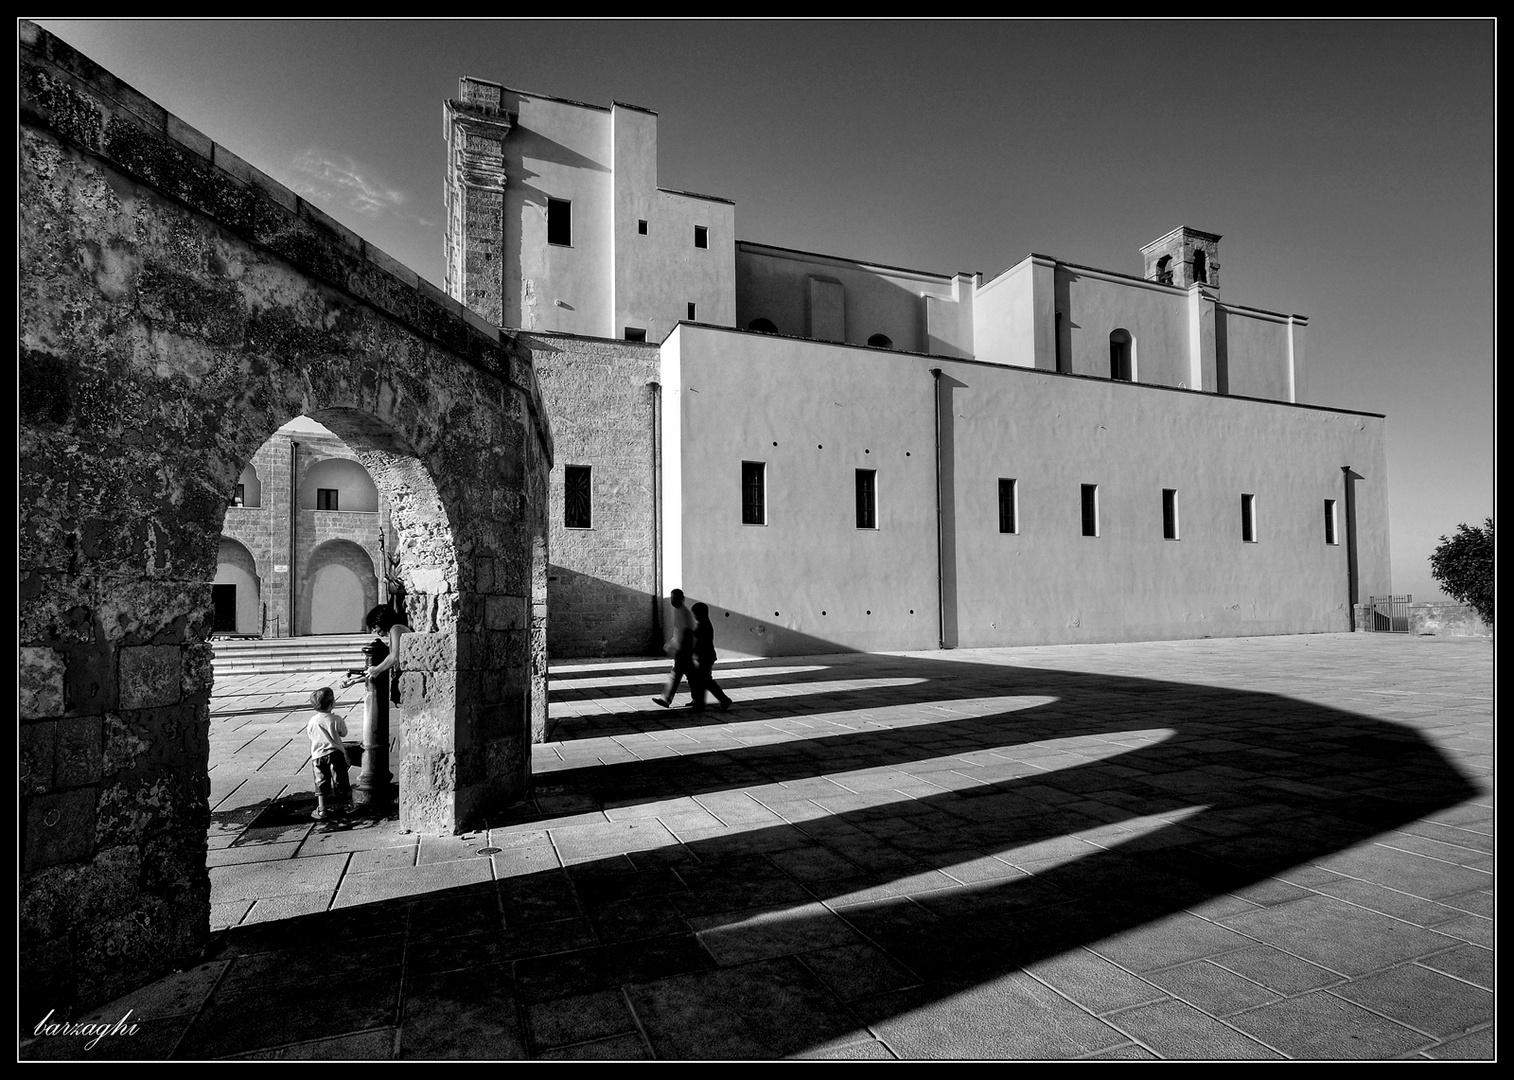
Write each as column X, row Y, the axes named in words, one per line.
column 325, row 498
column 754, row 493
column 1169, row 514
column 1009, row 518
column 1248, row 519
column 701, row 236
column 635, row 333
column 578, row 497
column 867, row 498
column 1330, row 522
column 560, row 222
column 641, row 226
column 1090, row 509
column 693, row 316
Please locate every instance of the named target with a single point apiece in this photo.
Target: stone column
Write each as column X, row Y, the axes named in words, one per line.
column 475, row 195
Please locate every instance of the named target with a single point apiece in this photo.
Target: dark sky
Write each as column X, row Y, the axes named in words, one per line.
column 1349, row 165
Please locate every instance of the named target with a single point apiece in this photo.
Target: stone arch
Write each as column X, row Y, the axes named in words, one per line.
column 340, row 586
column 236, row 567
column 177, row 307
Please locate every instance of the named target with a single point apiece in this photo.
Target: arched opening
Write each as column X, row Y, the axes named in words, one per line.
column 1200, row 267
column 336, row 483
column 762, row 326
column 1122, row 356
column 236, row 591
column 130, row 465
column 340, row 588
column 1164, row 270
column 881, row 341
column 249, row 490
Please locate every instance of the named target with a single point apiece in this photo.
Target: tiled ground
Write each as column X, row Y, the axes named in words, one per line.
column 1240, row 848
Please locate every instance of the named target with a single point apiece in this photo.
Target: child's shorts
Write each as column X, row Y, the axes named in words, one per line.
column 331, row 775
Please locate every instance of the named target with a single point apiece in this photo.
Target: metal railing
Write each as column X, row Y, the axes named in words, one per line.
column 1388, row 614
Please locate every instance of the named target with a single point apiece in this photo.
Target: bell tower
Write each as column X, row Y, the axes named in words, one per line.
column 1184, row 257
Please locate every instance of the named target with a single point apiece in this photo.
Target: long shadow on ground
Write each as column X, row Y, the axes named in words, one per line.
column 721, row 944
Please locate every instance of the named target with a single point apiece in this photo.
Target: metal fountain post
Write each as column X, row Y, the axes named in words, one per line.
column 373, row 783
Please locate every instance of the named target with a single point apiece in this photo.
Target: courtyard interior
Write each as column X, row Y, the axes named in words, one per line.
column 1274, row 847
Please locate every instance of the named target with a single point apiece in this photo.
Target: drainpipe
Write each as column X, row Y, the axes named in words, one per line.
column 940, row 567
column 1350, row 537
column 294, row 515
column 656, row 388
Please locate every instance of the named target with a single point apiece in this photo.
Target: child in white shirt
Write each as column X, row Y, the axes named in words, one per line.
column 328, row 755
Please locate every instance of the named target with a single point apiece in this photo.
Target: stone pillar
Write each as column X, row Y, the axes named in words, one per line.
column 373, row 783
column 475, row 196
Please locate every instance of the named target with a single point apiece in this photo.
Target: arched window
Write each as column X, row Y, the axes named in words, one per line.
column 762, row 326
column 1164, row 270
column 1200, row 267
column 881, row 341
column 1122, row 356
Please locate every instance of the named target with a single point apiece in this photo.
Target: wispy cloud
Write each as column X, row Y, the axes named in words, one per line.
column 337, row 180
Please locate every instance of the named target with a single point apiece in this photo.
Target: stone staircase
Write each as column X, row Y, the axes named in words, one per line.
column 272, row 656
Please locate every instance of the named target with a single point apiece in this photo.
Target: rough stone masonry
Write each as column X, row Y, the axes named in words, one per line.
column 176, row 307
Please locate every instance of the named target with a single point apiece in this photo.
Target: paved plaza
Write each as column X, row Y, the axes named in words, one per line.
column 1218, row 849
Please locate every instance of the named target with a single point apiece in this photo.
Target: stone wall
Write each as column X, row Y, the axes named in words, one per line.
column 602, row 581
column 1444, row 618
column 176, row 308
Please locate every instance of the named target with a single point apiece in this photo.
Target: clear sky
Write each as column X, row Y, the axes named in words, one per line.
column 1349, row 165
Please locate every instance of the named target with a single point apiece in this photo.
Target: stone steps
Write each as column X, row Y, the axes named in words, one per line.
column 272, row 656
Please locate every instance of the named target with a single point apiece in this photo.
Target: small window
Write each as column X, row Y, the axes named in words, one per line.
column 693, row 313
column 881, row 341
column 754, row 493
column 1330, row 522
column 641, row 226
column 762, row 326
column 636, row 333
column 578, row 497
column 560, row 222
column 1169, row 514
column 701, row 236
column 1164, row 270
column 867, row 498
column 1200, row 267
column 1248, row 519
column 1121, row 364
column 1090, row 509
column 239, row 497
column 325, row 498
column 1009, row 518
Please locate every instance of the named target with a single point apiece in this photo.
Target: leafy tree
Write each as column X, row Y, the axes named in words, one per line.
column 1463, row 564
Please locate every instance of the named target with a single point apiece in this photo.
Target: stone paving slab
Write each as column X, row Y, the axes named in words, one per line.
column 1217, row 849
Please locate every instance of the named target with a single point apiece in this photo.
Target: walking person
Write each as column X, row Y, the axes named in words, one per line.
column 680, row 646
column 702, row 680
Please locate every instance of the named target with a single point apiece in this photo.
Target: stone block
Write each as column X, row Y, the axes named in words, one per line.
column 37, row 750
column 60, row 828
column 78, row 751
column 150, row 675
column 504, row 613
column 428, row 652
column 89, row 685
column 40, row 680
